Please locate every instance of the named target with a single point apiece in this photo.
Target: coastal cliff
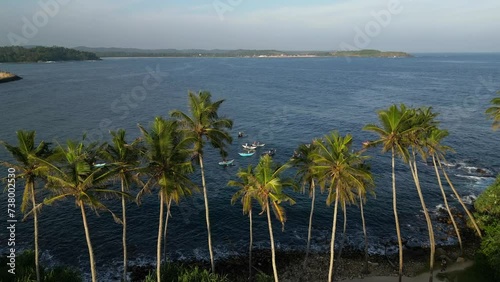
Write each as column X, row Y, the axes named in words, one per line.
column 8, row 77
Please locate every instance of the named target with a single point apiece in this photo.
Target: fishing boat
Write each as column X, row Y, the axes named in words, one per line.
column 270, row 152
column 249, row 147
column 99, row 165
column 247, row 154
column 226, row 163
column 258, row 144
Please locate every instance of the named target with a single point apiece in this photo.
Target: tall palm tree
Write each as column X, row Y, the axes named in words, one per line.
column 304, row 162
column 435, row 148
column 30, row 169
column 343, row 171
column 247, row 193
column 270, row 195
column 125, row 158
column 168, row 166
column 204, row 125
column 494, row 112
column 393, row 131
column 72, row 174
column 362, row 191
column 422, row 122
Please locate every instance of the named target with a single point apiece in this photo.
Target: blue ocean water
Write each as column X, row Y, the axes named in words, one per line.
column 277, row 101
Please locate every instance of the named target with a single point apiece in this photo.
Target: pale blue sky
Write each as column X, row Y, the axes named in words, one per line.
column 414, row 25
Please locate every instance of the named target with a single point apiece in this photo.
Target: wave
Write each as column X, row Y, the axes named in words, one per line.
column 473, row 177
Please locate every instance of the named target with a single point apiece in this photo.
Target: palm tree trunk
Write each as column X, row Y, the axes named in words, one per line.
column 396, row 218
column 158, row 243
column 332, row 243
column 167, row 216
column 339, row 260
column 447, row 206
column 430, row 230
column 89, row 244
column 250, row 247
column 365, row 270
column 273, row 255
column 207, row 214
column 460, row 200
column 124, row 233
column 35, row 223
column 310, row 221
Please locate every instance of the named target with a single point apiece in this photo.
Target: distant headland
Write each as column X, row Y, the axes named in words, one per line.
column 8, row 77
column 241, row 53
column 16, row 54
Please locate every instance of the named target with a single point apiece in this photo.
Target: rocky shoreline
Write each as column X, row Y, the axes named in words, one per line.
column 350, row 266
column 8, row 77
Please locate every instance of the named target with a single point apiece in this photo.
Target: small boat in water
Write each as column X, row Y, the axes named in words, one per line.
column 100, row 165
column 258, row 144
column 247, row 154
column 249, row 147
column 226, row 163
column 270, row 152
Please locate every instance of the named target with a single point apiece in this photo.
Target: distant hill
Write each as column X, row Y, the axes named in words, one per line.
column 15, row 54
column 132, row 52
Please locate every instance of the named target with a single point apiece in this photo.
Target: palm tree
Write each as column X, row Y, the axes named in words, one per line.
column 304, row 162
column 247, row 193
column 269, row 189
column 344, row 174
column 494, row 112
column 421, row 123
column 362, row 191
column 168, row 166
column 30, row 169
column 392, row 131
column 125, row 158
column 203, row 125
column 434, row 148
column 72, row 174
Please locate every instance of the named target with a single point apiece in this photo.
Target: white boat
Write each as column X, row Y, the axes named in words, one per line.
column 226, row 163
column 249, row 147
column 99, row 165
column 258, row 144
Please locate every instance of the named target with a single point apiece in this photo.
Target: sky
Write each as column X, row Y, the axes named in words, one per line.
column 389, row 25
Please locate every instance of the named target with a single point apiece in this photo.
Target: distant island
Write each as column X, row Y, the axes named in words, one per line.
column 8, row 77
column 132, row 52
column 16, row 54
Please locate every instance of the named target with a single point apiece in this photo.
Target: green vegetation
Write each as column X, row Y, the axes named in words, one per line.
column 488, row 217
column 17, row 54
column 26, row 271
column 172, row 272
column 371, row 54
column 494, row 112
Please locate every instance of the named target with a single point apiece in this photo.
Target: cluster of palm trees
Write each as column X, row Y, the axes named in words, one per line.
column 408, row 133
column 161, row 159
column 166, row 154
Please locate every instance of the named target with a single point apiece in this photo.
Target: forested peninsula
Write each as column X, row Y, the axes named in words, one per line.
column 16, row 54
column 243, row 53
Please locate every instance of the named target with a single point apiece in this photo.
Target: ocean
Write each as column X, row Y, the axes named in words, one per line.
column 281, row 102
